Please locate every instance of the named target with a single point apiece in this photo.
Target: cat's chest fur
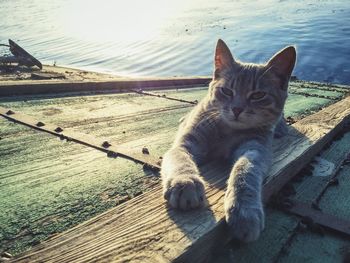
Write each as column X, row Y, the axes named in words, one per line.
column 223, row 146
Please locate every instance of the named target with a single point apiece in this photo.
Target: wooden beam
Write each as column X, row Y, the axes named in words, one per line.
column 140, row 156
column 145, row 230
column 117, row 86
column 314, row 216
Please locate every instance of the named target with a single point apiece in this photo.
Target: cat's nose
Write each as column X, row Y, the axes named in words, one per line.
column 237, row 111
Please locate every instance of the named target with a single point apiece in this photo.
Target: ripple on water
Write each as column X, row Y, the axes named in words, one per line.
column 181, row 42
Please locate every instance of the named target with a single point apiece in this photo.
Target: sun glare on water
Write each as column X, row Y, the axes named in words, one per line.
column 126, row 21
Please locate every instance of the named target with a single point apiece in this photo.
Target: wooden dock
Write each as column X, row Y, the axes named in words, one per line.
column 67, row 196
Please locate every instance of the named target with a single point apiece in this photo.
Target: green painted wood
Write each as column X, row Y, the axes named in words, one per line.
column 312, row 186
column 301, row 106
column 336, row 199
column 305, row 246
column 130, row 118
column 279, row 227
column 48, row 186
column 314, row 248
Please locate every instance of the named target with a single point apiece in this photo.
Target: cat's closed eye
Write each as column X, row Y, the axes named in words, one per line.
column 226, row 91
column 257, row 95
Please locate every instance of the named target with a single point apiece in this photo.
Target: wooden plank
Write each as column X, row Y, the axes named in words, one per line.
column 44, row 75
column 314, row 247
column 24, row 57
column 129, row 118
column 116, row 86
column 311, row 134
column 139, row 156
column 309, row 189
column 336, row 199
column 281, row 233
column 48, row 186
column 324, row 219
column 145, row 230
column 279, row 229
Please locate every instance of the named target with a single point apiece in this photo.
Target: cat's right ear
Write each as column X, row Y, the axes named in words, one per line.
column 223, row 59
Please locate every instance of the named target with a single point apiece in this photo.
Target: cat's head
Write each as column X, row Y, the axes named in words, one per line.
column 250, row 95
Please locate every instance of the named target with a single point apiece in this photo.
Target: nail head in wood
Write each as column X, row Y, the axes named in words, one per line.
column 106, row 144
column 40, row 124
column 58, row 130
column 145, row 150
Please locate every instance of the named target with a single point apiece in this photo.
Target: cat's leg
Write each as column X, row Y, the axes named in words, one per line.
column 182, row 186
column 243, row 201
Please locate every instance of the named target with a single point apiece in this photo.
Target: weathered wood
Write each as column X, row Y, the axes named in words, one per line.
column 311, row 187
column 144, row 230
column 324, row 219
column 24, row 57
column 117, row 86
column 44, row 75
column 310, row 134
column 129, row 120
column 281, row 235
column 48, row 186
column 85, row 139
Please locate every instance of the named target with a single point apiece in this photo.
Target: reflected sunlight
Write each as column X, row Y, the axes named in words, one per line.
column 126, row 21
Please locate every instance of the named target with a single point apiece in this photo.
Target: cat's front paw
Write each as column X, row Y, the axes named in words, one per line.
column 185, row 192
column 245, row 223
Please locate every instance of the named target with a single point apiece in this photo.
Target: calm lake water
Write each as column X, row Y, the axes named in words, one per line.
column 177, row 38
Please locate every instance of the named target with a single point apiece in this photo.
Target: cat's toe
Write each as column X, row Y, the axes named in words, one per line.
column 185, row 193
column 245, row 223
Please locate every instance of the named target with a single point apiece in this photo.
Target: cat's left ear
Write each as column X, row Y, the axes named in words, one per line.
column 282, row 63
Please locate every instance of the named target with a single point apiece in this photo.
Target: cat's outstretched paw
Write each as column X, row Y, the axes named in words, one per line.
column 245, row 223
column 185, row 193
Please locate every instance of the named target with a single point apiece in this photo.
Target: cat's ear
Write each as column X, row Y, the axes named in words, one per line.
column 223, row 58
column 282, row 63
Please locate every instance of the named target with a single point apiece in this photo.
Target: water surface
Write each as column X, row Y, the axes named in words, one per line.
column 177, row 38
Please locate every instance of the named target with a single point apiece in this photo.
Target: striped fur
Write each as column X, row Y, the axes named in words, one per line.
column 235, row 122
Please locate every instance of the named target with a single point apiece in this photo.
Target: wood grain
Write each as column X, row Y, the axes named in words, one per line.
column 144, row 230
column 81, row 138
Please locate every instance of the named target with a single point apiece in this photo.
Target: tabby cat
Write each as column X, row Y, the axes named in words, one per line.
column 236, row 121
